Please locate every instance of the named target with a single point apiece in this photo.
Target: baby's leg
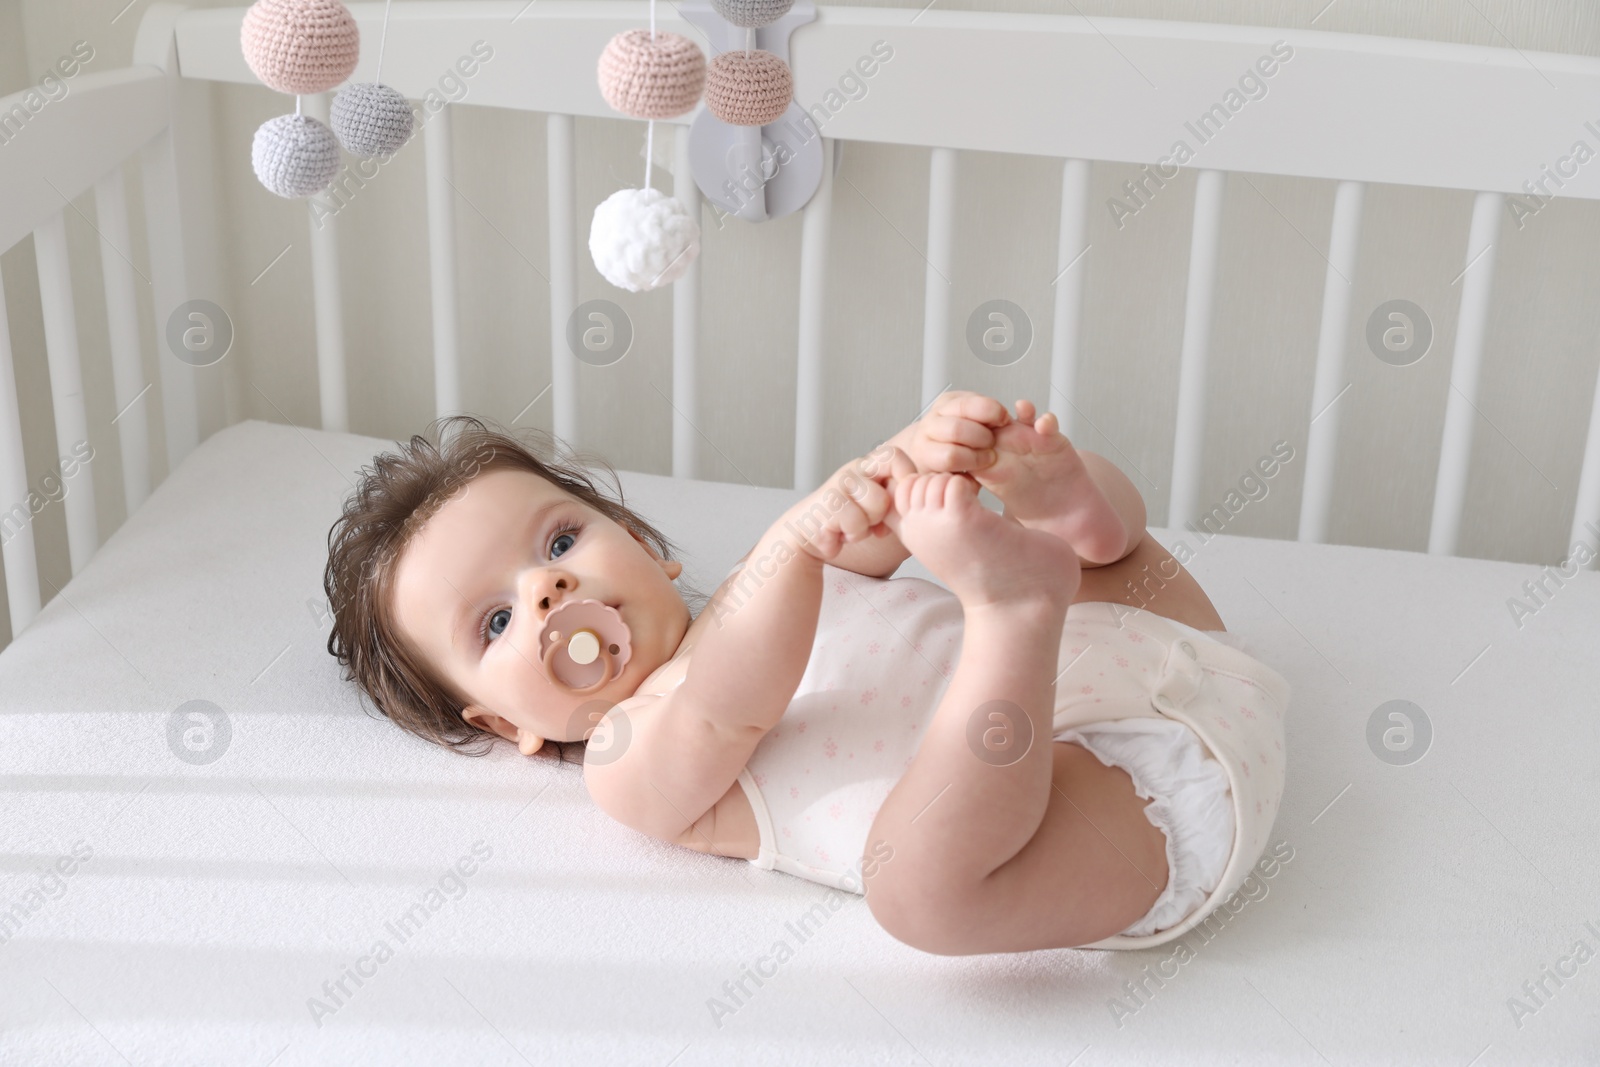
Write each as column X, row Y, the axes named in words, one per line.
column 1047, row 484
column 981, row 781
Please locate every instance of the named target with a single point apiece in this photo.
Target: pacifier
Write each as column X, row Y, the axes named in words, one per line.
column 584, row 644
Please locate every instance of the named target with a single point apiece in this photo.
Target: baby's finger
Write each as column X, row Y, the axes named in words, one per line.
column 852, row 522
column 875, row 503
column 959, row 430
column 828, row 542
column 975, row 406
column 864, row 505
column 891, row 518
column 903, row 486
column 958, row 443
column 901, row 467
column 881, row 467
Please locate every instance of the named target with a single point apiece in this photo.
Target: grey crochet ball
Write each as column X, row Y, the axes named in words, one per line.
column 295, row 155
column 370, row 119
column 752, row 14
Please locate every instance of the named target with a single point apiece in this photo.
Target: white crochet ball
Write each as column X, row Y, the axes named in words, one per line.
column 295, row 155
column 643, row 238
column 370, row 119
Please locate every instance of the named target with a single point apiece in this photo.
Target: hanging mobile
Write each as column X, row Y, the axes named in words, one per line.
column 298, row 46
column 752, row 87
column 369, row 118
column 642, row 238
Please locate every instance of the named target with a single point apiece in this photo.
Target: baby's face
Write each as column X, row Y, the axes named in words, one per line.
column 473, row 588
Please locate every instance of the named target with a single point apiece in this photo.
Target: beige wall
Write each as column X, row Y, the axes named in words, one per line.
column 1539, row 374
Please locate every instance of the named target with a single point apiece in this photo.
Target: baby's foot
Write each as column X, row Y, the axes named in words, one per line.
column 983, row 557
column 1043, row 483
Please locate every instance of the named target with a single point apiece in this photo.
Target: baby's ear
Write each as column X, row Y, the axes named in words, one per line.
column 527, row 742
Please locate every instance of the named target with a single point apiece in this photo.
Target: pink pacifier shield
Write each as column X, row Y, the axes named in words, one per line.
column 584, row 644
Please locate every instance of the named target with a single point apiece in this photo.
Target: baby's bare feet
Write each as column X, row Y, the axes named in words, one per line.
column 1044, row 485
column 983, row 557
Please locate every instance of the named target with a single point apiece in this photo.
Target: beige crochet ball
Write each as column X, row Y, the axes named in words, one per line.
column 652, row 78
column 300, row 46
column 748, row 88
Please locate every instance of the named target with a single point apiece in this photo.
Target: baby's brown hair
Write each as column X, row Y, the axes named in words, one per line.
column 391, row 502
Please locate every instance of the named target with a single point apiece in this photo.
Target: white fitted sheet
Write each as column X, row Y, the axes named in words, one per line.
column 219, row 898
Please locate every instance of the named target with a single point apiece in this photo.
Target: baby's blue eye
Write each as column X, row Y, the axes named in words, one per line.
column 569, row 531
column 491, row 630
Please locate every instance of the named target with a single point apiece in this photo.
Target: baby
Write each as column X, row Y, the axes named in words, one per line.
column 1042, row 752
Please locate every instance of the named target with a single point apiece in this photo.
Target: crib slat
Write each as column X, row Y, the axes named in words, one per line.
column 809, row 470
column 563, row 274
column 1587, row 509
column 16, row 521
column 1322, row 445
column 1072, row 241
column 170, row 281
column 936, row 286
column 329, row 307
column 122, row 320
column 1189, row 439
column 1455, row 451
column 437, row 141
column 66, row 384
column 685, row 324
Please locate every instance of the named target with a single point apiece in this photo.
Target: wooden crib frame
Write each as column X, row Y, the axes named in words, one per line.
column 1366, row 109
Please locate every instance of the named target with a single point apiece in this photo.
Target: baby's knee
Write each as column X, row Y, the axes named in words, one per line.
column 919, row 909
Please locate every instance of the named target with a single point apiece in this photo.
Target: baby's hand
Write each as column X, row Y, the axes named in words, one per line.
column 856, row 500
column 958, row 433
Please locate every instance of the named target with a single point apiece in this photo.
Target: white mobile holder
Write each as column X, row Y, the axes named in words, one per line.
column 739, row 168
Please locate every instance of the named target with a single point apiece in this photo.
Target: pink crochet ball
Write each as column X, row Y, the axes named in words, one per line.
column 647, row 78
column 748, row 88
column 300, row 46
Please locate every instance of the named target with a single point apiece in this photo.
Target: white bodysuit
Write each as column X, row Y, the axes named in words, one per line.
column 1139, row 690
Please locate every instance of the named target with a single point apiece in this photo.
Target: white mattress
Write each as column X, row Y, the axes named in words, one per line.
column 219, row 898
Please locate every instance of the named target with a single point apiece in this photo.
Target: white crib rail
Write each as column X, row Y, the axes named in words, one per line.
column 1450, row 492
column 936, row 278
column 53, row 155
column 16, row 531
column 328, row 313
column 66, row 381
column 686, row 312
column 122, row 317
column 1189, row 437
column 1354, row 109
column 562, row 179
column 437, row 142
column 1072, row 244
column 1316, row 499
column 808, row 405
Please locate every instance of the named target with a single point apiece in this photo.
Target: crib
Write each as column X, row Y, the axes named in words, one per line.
column 213, row 855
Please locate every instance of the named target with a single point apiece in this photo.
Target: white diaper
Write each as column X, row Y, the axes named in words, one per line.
column 1188, row 788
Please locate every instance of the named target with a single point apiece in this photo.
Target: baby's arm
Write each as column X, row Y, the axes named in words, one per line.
column 687, row 752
